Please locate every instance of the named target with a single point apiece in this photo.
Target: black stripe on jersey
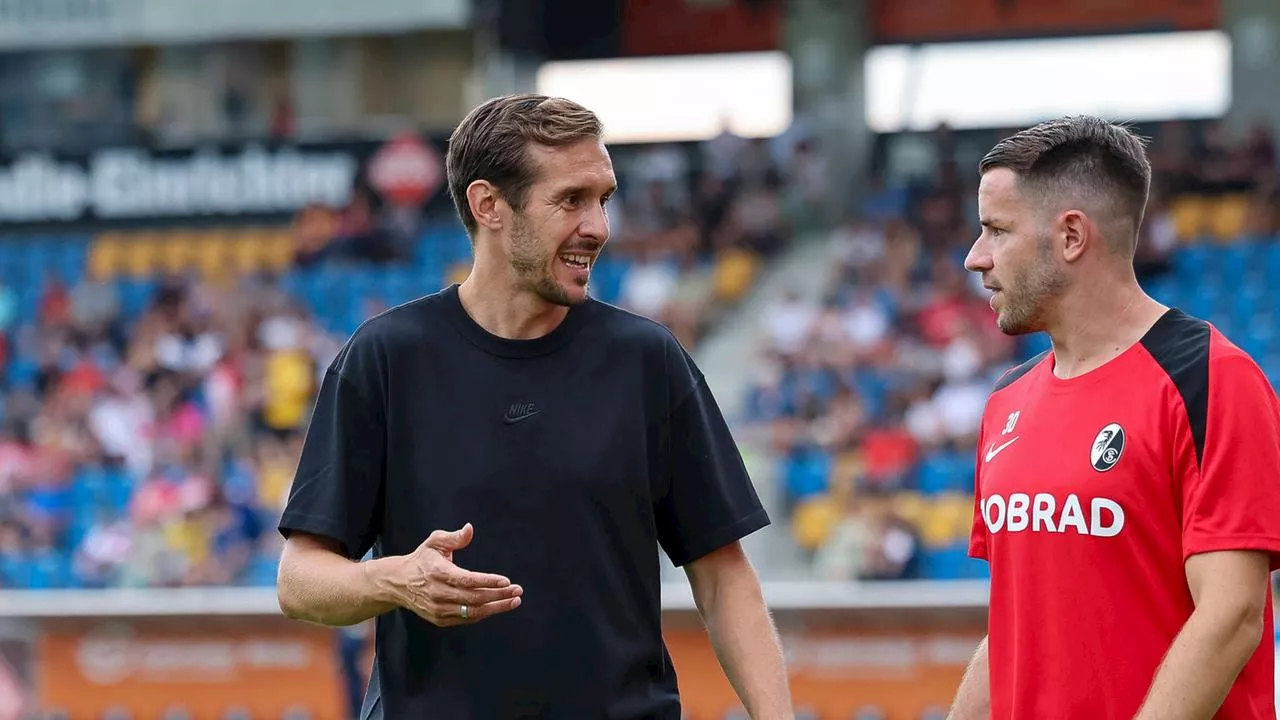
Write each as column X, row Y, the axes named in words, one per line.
column 1180, row 344
column 1012, row 374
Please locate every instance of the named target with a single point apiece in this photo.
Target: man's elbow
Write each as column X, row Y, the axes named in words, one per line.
column 287, row 593
column 1241, row 624
column 1250, row 624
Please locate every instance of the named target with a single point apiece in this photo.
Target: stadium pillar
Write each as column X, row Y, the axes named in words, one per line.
column 1254, row 27
column 827, row 41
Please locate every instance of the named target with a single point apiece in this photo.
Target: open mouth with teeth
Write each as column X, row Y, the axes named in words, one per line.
column 576, row 261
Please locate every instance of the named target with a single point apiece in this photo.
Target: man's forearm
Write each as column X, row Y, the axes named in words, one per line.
column 1200, row 667
column 324, row 588
column 973, row 699
column 748, row 648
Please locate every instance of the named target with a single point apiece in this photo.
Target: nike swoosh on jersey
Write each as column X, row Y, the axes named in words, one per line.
column 996, row 450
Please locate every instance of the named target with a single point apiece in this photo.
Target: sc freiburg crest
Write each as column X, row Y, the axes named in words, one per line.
column 1107, row 448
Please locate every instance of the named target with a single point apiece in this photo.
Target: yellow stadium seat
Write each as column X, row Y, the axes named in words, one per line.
column 177, row 252
column 956, row 510
column 141, row 254
column 910, row 506
column 106, row 256
column 1228, row 216
column 813, row 520
column 247, row 255
column 1190, row 217
column 213, row 256
column 278, row 250
column 735, row 271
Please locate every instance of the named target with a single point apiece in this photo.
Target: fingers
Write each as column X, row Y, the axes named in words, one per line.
column 456, row 577
column 453, row 595
column 450, row 540
column 475, row 613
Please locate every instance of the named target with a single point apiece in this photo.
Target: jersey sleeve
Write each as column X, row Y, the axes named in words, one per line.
column 1231, row 501
column 338, row 488
column 709, row 499
column 978, row 529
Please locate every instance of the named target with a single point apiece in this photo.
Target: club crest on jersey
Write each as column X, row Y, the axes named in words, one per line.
column 1107, row 448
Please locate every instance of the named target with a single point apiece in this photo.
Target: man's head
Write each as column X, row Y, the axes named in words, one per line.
column 1058, row 202
column 529, row 176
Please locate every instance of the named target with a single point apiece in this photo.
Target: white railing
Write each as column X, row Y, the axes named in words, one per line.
column 676, row 597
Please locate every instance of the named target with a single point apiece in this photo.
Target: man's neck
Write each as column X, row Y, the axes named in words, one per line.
column 496, row 304
column 1095, row 325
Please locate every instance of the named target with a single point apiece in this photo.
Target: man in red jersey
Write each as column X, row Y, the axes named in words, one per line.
column 1128, row 498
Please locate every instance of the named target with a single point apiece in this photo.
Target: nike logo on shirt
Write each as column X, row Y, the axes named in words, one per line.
column 995, row 450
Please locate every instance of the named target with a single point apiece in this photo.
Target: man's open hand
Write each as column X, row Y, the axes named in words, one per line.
column 437, row 590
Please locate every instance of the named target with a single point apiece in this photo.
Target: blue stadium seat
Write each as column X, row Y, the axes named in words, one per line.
column 15, row 571
column 1190, row 264
column 933, row 474
column 806, row 473
column 135, row 295
column 606, row 279
column 1271, row 258
column 261, row 571
column 950, row 562
column 49, row 570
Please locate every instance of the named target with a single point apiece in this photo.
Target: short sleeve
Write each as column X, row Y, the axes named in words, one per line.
column 978, row 530
column 710, row 500
column 1231, row 501
column 337, row 491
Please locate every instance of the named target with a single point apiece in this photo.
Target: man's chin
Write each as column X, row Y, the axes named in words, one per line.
column 1015, row 326
column 565, row 295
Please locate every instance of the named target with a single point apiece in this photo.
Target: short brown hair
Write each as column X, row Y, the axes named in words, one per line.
column 491, row 143
column 1082, row 156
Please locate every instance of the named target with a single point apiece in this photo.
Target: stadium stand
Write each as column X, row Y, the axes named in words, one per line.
column 158, row 381
column 872, row 398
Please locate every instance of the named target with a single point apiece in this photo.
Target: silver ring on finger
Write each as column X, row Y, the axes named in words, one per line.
column 464, row 612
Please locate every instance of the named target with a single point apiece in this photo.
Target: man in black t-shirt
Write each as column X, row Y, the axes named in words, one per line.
column 515, row 454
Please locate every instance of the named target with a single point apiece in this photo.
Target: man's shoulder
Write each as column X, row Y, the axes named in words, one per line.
column 1011, row 376
column 636, row 330
column 372, row 341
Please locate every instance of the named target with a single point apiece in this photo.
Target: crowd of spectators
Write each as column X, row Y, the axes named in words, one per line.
column 154, row 450
column 152, row 445
column 871, row 393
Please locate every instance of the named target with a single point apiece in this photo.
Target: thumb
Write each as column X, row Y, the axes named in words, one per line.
column 452, row 540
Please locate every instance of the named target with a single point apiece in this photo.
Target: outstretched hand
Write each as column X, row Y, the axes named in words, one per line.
column 443, row 594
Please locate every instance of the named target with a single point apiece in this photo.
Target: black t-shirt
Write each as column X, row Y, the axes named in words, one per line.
column 575, row 456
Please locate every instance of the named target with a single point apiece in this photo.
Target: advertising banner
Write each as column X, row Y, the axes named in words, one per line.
column 837, row 673
column 907, row 21
column 256, row 181
column 269, row 667
column 149, row 668
column 32, row 24
column 679, row 27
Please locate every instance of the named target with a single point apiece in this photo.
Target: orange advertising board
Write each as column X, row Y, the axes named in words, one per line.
column 835, row 673
column 148, row 666
column 207, row 668
column 896, row 21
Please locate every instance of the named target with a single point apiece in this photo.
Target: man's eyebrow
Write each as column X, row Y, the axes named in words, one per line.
column 579, row 189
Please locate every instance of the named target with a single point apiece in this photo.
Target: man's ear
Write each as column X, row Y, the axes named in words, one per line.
column 1078, row 233
column 486, row 204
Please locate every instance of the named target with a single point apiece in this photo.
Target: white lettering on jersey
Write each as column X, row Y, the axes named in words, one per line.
column 1041, row 514
column 1011, row 423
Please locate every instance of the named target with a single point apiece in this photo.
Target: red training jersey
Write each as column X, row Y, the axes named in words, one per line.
column 1091, row 494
